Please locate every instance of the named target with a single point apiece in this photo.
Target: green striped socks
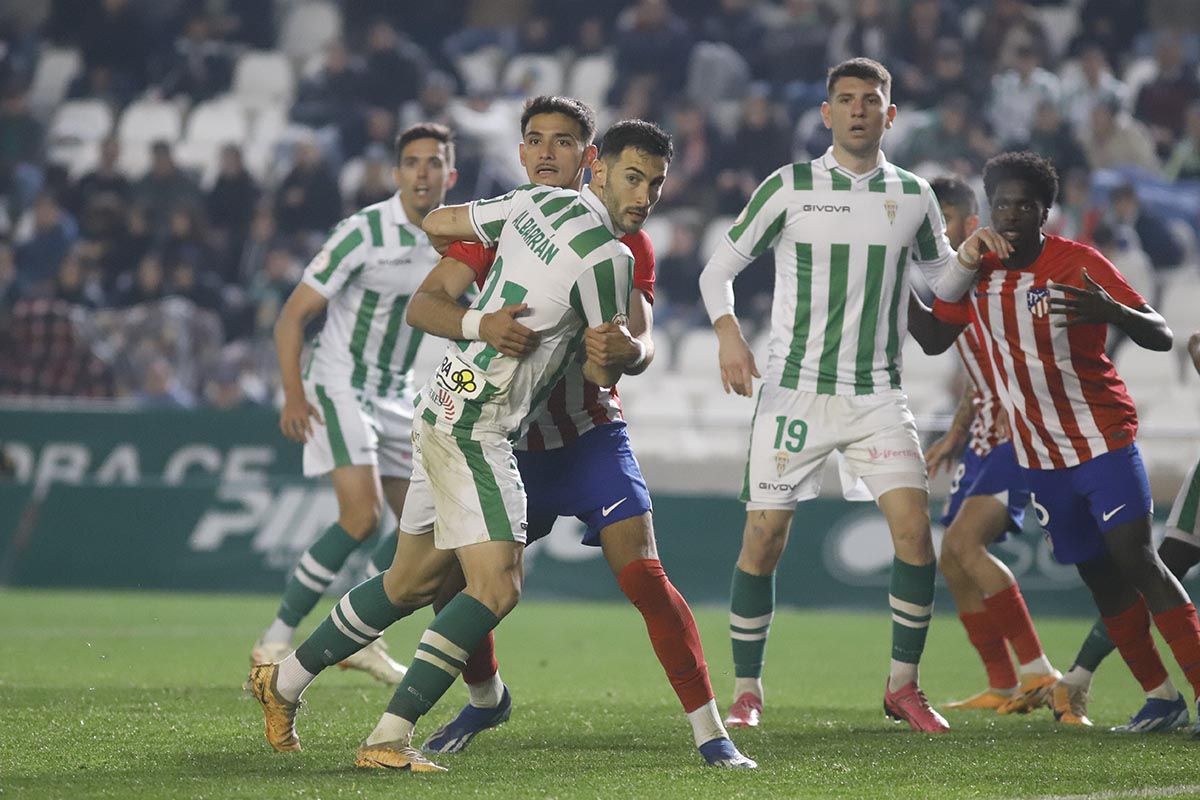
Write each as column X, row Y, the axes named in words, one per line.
column 317, row 568
column 358, row 619
column 911, row 598
column 1096, row 647
column 384, row 553
column 440, row 656
column 751, row 608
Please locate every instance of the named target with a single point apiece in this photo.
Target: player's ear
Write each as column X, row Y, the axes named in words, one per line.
column 599, row 172
column 451, row 179
column 825, row 114
column 521, row 153
column 891, row 116
column 589, row 155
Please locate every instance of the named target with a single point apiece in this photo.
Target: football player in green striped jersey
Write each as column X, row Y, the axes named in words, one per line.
column 351, row 405
column 844, row 228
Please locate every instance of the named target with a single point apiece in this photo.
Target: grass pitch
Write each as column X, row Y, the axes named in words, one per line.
column 126, row 695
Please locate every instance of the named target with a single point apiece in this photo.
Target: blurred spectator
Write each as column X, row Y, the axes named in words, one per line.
column 1163, row 99
column 20, row 148
column 864, row 32
column 697, row 146
column 1184, row 163
column 1092, row 82
column 105, row 179
column 230, row 204
column 946, row 140
column 259, row 240
column 145, row 284
column 376, row 184
column 1008, row 26
column 191, row 281
column 42, row 355
column 334, row 95
column 1113, row 24
column 40, row 250
column 793, row 51
column 1016, row 93
column 1129, row 259
column 186, row 240
column 394, row 67
column 251, row 22
column 164, row 188
column 224, row 391
column 761, row 145
column 129, row 244
column 112, row 36
column 1137, row 227
column 950, row 75
column 270, row 287
column 537, row 33
column 1050, row 138
column 73, row 286
column 160, row 389
column 374, row 136
column 10, row 287
column 1073, row 216
column 492, row 127
column 914, row 48
column 651, row 41
column 1115, row 139
column 200, row 66
column 308, row 201
column 739, row 24
column 678, row 270
column 432, row 104
column 96, row 83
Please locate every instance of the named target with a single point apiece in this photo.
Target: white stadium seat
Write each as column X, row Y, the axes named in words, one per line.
column 590, row 78
column 533, row 75
column 713, row 234
column 147, row 121
column 218, row 121
column 56, row 68
column 263, row 78
column 81, row 121
column 308, row 28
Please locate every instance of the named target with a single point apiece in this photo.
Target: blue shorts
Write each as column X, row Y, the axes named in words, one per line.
column 996, row 474
column 595, row 478
column 1077, row 505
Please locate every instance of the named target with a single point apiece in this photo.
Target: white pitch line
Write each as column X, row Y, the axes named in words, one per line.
column 1123, row 794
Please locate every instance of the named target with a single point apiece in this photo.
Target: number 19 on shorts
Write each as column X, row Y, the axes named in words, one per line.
column 790, row 434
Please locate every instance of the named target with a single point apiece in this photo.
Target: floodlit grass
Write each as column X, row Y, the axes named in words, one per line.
column 130, row 695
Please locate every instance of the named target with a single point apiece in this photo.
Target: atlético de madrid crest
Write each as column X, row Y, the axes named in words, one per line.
column 891, row 206
column 1038, row 301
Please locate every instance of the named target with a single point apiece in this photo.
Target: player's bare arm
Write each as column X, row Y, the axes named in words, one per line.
column 1092, row 305
column 449, row 224
column 934, row 335
column 735, row 357
column 949, row 448
column 304, row 304
column 435, row 309
column 631, row 347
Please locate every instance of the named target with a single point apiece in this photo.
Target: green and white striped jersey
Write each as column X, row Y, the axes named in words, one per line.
column 558, row 252
column 368, row 269
column 842, row 243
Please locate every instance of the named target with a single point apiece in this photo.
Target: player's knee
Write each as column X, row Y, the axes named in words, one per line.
column 963, row 549
column 360, row 520
column 405, row 590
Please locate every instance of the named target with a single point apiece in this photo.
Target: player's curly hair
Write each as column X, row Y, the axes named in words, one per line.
column 577, row 110
column 1023, row 166
column 426, row 130
column 639, row 134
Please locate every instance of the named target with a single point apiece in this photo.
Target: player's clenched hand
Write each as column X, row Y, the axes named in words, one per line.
column 501, row 330
column 1194, row 350
column 737, row 365
column 295, row 421
column 610, row 345
column 981, row 241
column 1087, row 306
column 945, row 451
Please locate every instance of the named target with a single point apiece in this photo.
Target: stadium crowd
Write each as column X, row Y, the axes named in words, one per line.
column 167, row 168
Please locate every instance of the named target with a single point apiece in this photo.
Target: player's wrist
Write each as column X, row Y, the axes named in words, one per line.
column 640, row 358
column 471, row 321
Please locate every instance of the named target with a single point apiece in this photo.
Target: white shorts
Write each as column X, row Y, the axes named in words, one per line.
column 359, row 430
column 1183, row 523
column 477, row 491
column 418, row 515
column 793, row 433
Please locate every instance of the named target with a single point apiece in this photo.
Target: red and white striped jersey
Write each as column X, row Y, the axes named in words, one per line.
column 1065, row 402
column 986, row 400
column 575, row 405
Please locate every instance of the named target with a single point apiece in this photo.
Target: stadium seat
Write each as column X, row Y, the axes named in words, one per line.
column 81, row 121
column 351, row 176
column 263, row 78
column 1149, row 376
column 590, row 78
column 1060, row 24
column 56, row 67
column 479, row 68
column 1181, row 302
column 308, row 27
column 201, row 158
column 714, row 232
column 927, row 380
column 219, row 121
column 147, row 121
column 726, row 117
column 698, row 352
column 716, row 72
column 533, row 75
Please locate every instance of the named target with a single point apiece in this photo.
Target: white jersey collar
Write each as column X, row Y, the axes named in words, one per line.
column 398, row 212
column 593, row 201
column 830, row 164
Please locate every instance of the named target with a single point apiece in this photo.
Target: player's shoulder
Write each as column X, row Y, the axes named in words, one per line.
column 640, row 246
column 1059, row 253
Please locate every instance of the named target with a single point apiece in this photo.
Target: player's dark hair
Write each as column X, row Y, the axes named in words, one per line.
column 638, row 134
column 867, row 69
column 1023, row 166
column 426, row 130
column 577, row 110
column 953, row 191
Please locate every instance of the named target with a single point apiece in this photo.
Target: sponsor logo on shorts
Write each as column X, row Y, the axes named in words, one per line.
column 888, row 454
column 777, row 487
column 1107, row 515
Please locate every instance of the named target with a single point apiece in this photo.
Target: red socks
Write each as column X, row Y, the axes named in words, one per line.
column 672, row 630
column 988, row 641
column 1181, row 629
column 1011, row 616
column 1130, row 632
column 481, row 666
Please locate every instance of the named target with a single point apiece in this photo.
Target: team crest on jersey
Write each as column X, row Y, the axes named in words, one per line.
column 320, row 261
column 1038, row 301
column 891, row 207
column 782, row 460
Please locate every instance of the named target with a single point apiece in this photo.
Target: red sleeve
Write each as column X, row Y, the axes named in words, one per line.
column 643, row 262
column 475, row 256
column 956, row 313
column 1103, row 272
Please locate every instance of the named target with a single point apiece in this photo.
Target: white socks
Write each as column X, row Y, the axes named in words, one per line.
column 293, row 679
column 1166, row 691
column 706, row 723
column 901, row 674
column 1078, row 677
column 390, row 729
column 1039, row 666
column 279, row 632
column 752, row 685
column 487, row 694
